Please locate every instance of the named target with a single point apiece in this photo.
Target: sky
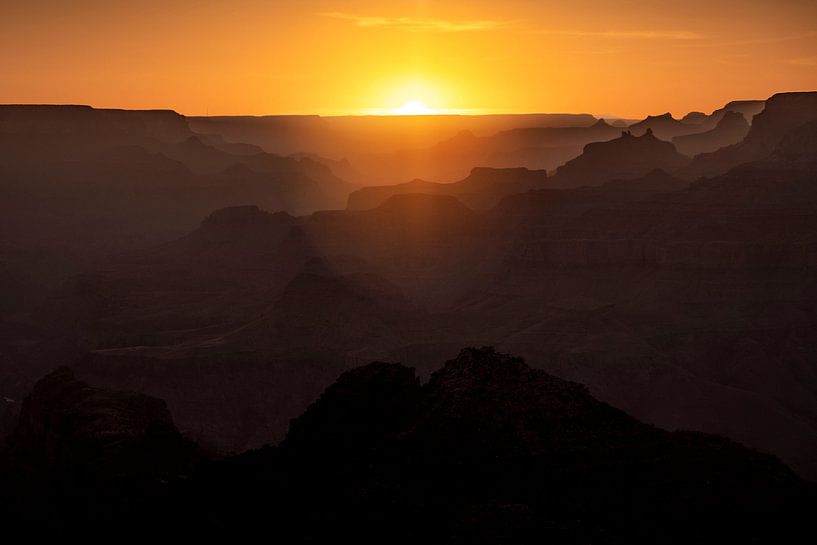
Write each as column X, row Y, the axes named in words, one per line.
column 211, row 57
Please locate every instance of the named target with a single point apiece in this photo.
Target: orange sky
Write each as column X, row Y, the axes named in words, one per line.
column 624, row 57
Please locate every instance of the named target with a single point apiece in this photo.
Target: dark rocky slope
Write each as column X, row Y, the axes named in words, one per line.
column 623, row 158
column 492, row 451
column 80, row 455
column 783, row 113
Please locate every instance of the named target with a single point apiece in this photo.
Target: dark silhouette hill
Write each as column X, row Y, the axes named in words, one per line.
column 731, row 129
column 628, row 156
column 490, row 450
column 487, row 450
column 66, row 425
column 80, row 454
column 481, row 190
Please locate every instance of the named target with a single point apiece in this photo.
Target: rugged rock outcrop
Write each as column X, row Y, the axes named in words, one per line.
column 747, row 108
column 663, row 126
column 626, row 157
column 731, row 129
column 783, row 113
column 67, row 426
column 490, row 450
column 81, row 455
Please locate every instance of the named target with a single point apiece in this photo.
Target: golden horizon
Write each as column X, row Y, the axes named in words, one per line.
column 254, row 57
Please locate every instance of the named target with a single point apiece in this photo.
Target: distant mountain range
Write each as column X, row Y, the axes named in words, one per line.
column 445, row 148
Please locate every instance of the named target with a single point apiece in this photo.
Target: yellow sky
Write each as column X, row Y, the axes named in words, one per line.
column 629, row 58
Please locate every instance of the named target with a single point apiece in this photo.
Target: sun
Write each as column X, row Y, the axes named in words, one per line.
column 413, row 107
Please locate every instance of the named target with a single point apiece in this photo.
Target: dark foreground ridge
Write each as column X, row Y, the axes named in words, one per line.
column 488, row 451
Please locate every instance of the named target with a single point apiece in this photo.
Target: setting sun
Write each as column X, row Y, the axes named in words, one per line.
column 414, row 107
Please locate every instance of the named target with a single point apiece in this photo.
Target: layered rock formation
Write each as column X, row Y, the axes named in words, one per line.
column 731, row 129
column 783, row 113
column 663, row 126
column 531, row 146
column 626, row 157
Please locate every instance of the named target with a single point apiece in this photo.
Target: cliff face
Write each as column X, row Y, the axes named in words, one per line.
column 783, row 113
column 163, row 125
column 797, row 150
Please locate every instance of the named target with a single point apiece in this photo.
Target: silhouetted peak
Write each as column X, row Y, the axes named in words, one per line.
column 695, row 117
column 664, row 125
column 626, row 157
column 601, row 124
column 64, row 422
column 57, row 381
column 749, row 108
column 364, row 404
column 783, row 112
column 627, row 138
column 482, row 381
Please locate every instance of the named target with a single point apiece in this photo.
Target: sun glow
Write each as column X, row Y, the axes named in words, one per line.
column 414, row 107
